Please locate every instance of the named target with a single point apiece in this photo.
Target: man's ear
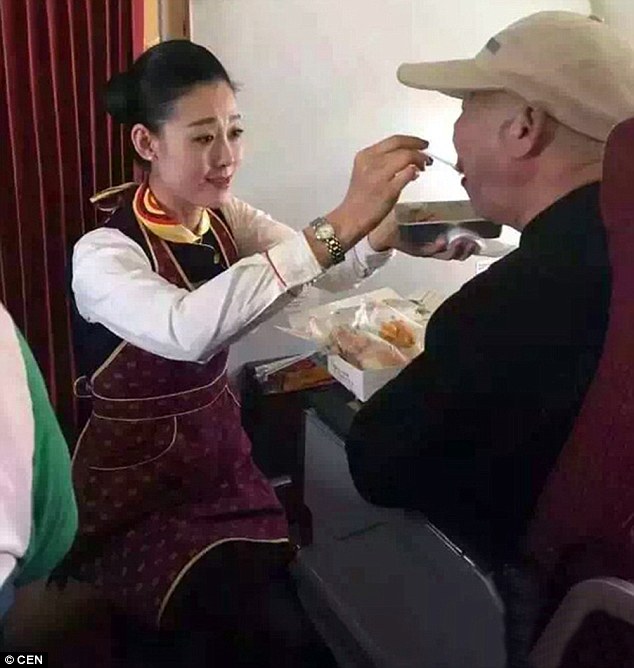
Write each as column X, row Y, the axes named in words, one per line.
column 144, row 142
column 527, row 133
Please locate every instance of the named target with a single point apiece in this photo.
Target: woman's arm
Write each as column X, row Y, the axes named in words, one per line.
column 114, row 285
column 256, row 232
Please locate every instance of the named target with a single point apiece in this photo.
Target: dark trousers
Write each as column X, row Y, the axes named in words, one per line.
column 238, row 606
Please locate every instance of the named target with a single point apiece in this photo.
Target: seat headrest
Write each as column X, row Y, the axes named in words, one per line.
column 617, row 188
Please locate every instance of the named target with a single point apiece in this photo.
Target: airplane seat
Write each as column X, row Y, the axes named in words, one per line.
column 583, row 530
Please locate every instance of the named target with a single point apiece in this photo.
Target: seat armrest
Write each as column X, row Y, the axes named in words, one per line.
column 612, row 596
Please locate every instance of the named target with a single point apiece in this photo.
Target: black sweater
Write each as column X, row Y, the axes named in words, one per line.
column 468, row 432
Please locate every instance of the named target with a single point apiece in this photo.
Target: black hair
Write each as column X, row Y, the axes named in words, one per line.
column 148, row 91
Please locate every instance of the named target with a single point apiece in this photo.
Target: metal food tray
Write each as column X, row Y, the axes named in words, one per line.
column 427, row 232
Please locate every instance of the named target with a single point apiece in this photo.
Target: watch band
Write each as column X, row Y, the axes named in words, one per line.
column 335, row 249
column 324, row 232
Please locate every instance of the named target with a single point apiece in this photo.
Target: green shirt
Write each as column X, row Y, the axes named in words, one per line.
column 38, row 513
column 54, row 511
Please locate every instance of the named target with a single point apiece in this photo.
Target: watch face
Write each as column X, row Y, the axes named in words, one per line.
column 324, row 231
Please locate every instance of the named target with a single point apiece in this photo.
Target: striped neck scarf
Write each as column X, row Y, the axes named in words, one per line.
column 150, row 213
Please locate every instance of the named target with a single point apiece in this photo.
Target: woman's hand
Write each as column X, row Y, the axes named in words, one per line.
column 386, row 236
column 379, row 175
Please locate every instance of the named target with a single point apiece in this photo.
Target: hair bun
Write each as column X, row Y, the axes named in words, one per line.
column 121, row 98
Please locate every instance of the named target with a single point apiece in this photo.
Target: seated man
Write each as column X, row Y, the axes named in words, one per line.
column 38, row 515
column 469, row 431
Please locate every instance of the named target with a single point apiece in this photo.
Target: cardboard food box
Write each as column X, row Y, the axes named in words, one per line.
column 362, row 383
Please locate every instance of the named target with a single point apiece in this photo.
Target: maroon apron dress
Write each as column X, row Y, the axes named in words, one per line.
column 163, row 471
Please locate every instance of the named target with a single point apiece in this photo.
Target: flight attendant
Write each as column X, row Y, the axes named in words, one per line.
column 177, row 525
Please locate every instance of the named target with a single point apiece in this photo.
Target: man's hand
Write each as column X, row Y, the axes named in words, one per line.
column 386, row 236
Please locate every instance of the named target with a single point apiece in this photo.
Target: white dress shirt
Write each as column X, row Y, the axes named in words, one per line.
column 115, row 285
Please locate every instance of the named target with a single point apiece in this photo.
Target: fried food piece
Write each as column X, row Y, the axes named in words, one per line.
column 365, row 352
column 397, row 333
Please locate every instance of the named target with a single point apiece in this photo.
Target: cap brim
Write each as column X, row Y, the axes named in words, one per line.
column 451, row 77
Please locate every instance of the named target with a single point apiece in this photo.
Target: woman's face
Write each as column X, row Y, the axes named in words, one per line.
column 198, row 149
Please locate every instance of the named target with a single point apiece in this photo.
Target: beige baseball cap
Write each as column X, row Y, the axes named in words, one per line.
column 575, row 67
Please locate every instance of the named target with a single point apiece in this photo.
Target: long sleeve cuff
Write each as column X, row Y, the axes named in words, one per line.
column 369, row 258
column 294, row 262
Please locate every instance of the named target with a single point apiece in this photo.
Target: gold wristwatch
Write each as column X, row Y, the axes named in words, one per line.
column 325, row 232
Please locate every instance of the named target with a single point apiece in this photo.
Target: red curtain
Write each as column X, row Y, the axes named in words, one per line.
column 57, row 147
